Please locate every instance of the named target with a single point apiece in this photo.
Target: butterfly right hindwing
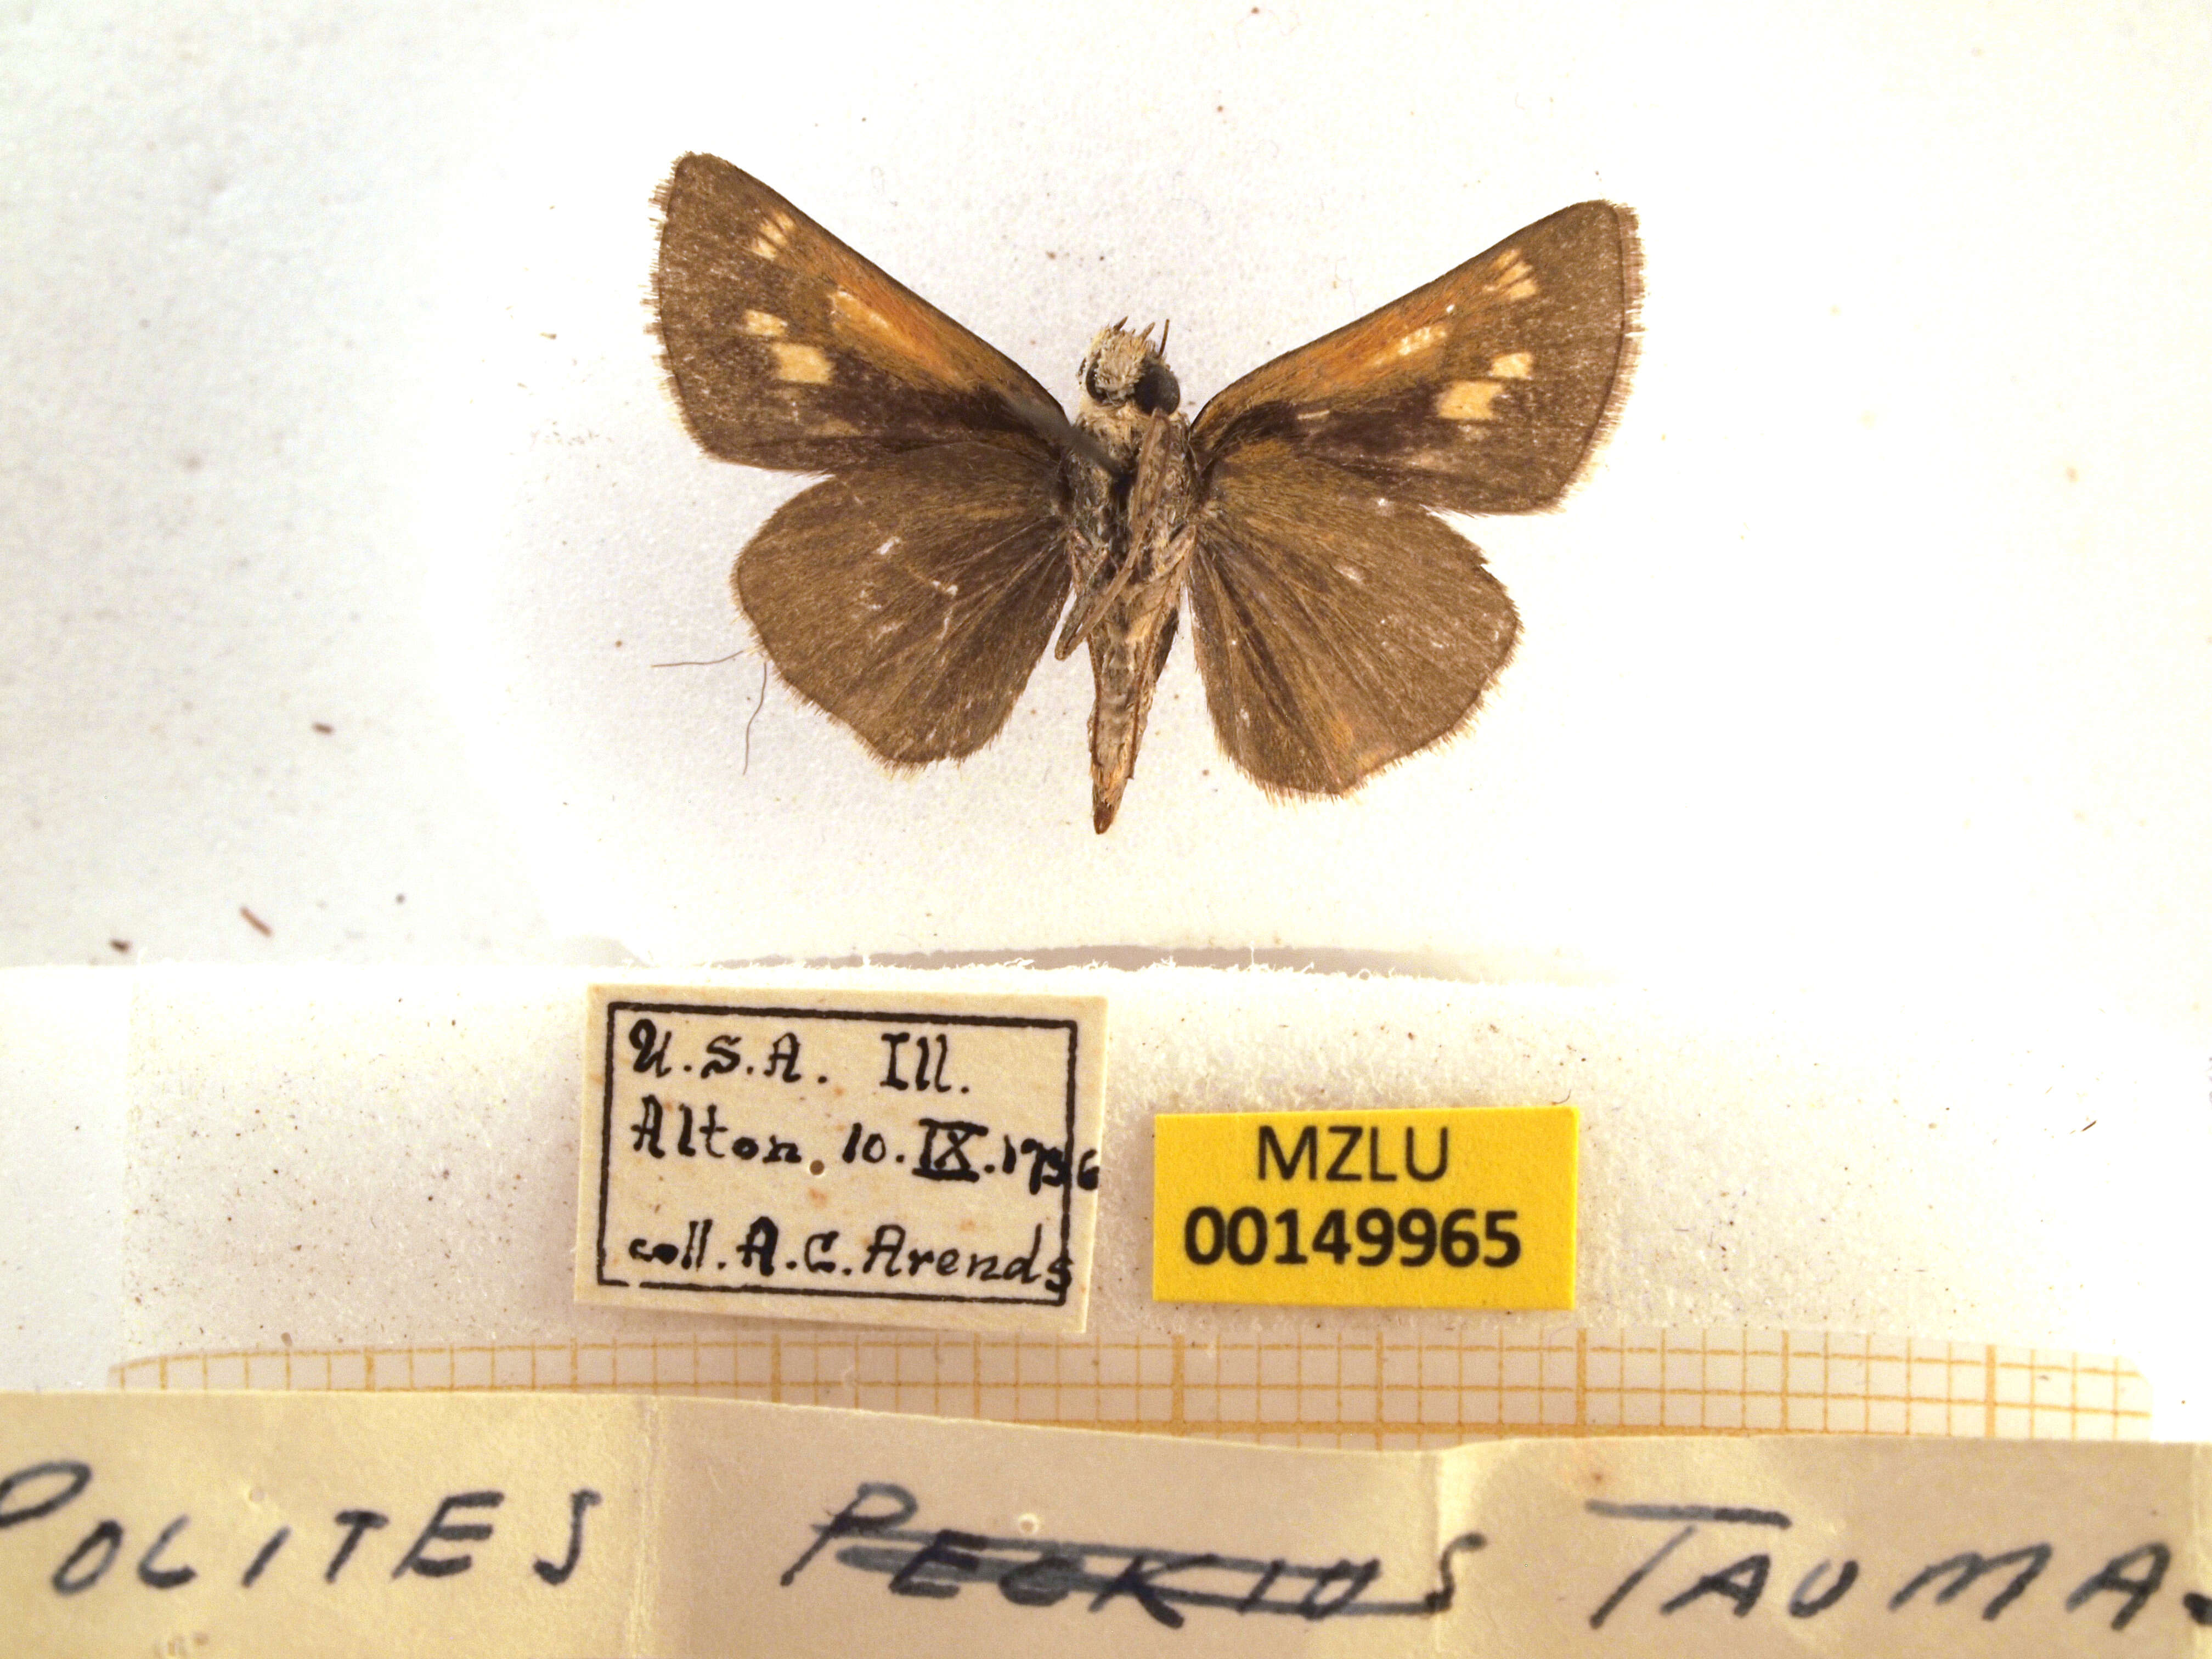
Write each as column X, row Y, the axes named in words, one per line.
column 1340, row 625
column 1336, row 630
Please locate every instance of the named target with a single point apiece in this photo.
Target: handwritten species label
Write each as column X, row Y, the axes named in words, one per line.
column 1449, row 1208
column 884, row 1160
column 626, row 1527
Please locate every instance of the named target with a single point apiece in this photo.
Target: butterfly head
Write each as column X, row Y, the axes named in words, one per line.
column 1123, row 370
column 1125, row 383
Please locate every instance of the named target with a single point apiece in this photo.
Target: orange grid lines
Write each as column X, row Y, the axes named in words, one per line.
column 1351, row 1389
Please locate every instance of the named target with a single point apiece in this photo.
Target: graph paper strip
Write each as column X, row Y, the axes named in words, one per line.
column 1345, row 1390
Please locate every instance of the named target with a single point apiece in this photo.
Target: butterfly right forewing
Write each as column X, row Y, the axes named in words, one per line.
column 1481, row 392
column 1339, row 625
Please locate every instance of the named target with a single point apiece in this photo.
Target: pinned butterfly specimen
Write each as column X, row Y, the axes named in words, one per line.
column 1339, row 625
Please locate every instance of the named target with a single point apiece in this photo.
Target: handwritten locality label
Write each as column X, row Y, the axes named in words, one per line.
column 626, row 1527
column 880, row 1159
column 1444, row 1209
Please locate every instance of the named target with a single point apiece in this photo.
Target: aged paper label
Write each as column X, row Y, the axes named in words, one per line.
column 1446, row 1208
column 625, row 1527
column 876, row 1159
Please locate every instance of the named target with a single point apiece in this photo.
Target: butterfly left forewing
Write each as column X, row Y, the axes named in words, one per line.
column 1338, row 628
column 1481, row 392
column 787, row 350
column 911, row 593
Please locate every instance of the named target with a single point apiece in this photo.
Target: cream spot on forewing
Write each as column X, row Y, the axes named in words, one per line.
column 1411, row 344
column 1510, row 274
column 773, row 233
column 1313, row 414
column 803, row 365
column 888, row 544
column 1468, row 400
column 1513, row 365
column 761, row 326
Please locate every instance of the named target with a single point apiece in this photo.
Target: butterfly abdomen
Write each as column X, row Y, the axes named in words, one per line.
column 1129, row 642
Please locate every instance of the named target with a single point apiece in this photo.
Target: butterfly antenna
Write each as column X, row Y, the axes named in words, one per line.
column 1163, row 337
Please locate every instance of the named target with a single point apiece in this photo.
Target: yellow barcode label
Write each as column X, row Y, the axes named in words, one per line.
column 1456, row 1207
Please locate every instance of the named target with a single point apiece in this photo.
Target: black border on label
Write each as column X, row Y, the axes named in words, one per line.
column 616, row 1008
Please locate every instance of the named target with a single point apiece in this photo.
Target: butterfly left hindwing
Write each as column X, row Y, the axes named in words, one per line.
column 912, row 598
column 911, row 593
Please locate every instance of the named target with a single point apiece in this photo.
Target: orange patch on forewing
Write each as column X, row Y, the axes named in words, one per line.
column 850, row 311
column 801, row 365
column 1469, row 400
column 761, row 326
column 1513, row 365
column 879, row 339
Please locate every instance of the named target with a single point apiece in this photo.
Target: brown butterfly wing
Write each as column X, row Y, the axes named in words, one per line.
column 1340, row 625
column 912, row 598
column 787, row 350
column 1337, row 629
column 1480, row 393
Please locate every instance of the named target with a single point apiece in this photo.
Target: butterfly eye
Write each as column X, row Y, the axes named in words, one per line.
column 1157, row 393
